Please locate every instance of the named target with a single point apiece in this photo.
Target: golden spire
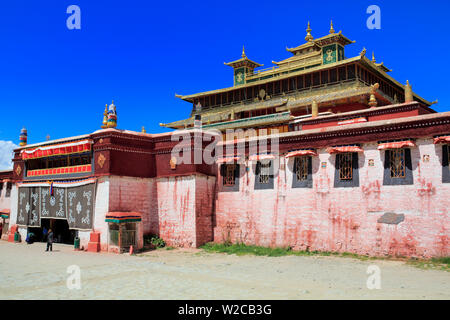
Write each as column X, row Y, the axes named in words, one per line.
column 105, row 118
column 308, row 37
column 373, row 57
column 373, row 101
column 363, row 52
column 408, row 92
column 143, row 130
column 331, row 27
column 243, row 52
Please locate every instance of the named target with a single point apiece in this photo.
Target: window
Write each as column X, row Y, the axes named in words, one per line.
column 8, row 189
column 230, row 177
column 346, row 170
column 264, row 174
column 397, row 163
column 445, row 163
column 301, row 168
column 397, row 167
column 1, row 188
column 302, row 172
column 345, row 167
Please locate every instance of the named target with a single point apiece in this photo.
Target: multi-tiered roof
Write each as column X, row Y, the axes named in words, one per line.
column 318, row 71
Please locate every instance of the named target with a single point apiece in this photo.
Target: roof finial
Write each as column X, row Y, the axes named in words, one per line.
column 409, row 97
column 112, row 116
column 23, row 137
column 143, row 130
column 331, row 27
column 308, row 37
column 373, row 101
column 373, row 56
column 105, row 118
column 363, row 52
column 243, row 52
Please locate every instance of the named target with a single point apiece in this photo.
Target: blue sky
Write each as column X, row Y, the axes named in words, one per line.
column 57, row 81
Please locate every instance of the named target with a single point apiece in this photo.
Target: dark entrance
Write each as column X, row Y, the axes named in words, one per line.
column 61, row 231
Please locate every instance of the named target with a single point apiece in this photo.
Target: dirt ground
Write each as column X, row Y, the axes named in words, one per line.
column 28, row 272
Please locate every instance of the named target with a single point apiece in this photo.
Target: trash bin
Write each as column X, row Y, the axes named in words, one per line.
column 76, row 243
column 16, row 237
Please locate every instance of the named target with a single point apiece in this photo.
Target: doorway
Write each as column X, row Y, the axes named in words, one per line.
column 61, row 231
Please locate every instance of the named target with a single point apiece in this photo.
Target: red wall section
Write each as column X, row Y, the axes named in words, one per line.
column 343, row 219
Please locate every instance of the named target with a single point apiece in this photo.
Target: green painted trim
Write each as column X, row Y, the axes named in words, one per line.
column 280, row 116
column 123, row 220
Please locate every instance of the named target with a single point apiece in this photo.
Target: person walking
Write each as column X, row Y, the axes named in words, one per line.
column 50, row 240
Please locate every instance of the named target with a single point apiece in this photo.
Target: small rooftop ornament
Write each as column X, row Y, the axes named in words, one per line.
column 331, row 28
column 23, row 137
column 308, row 37
column 112, row 116
column 105, row 118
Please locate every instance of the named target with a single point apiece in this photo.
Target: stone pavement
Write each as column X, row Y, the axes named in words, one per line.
column 28, row 272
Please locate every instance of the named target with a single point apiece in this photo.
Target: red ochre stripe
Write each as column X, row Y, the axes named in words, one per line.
column 68, row 170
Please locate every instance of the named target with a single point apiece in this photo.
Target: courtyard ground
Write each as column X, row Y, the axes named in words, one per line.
column 28, row 272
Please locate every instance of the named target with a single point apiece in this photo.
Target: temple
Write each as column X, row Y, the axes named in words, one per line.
column 319, row 152
column 317, row 79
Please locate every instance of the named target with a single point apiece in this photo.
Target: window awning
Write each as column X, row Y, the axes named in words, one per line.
column 57, row 149
column 4, row 213
column 299, row 153
column 123, row 217
column 344, row 149
column 228, row 160
column 443, row 139
column 258, row 157
column 396, row 145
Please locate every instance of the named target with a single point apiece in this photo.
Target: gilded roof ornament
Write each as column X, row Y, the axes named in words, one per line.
column 408, row 92
column 373, row 57
column 363, row 52
column 331, row 27
column 143, row 130
column 373, row 101
column 243, row 52
column 105, row 118
column 308, row 37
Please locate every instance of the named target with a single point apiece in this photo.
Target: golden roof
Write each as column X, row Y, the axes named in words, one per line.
column 243, row 61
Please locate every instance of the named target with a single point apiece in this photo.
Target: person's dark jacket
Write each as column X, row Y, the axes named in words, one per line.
column 50, row 237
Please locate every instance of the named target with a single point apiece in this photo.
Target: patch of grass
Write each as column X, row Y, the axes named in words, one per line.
column 442, row 263
column 242, row 249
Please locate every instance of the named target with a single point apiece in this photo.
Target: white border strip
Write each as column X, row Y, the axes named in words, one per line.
column 58, row 184
column 56, row 146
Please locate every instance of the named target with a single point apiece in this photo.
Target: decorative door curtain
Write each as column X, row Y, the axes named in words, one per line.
column 74, row 204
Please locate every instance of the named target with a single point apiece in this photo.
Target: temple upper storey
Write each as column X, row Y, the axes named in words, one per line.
column 317, row 70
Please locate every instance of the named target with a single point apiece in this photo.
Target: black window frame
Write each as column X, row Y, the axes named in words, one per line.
column 408, row 179
column 258, row 184
column 308, row 182
column 350, row 183
column 445, row 164
column 228, row 188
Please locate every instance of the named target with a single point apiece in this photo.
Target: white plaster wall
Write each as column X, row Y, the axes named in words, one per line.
column 101, row 208
column 13, row 214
